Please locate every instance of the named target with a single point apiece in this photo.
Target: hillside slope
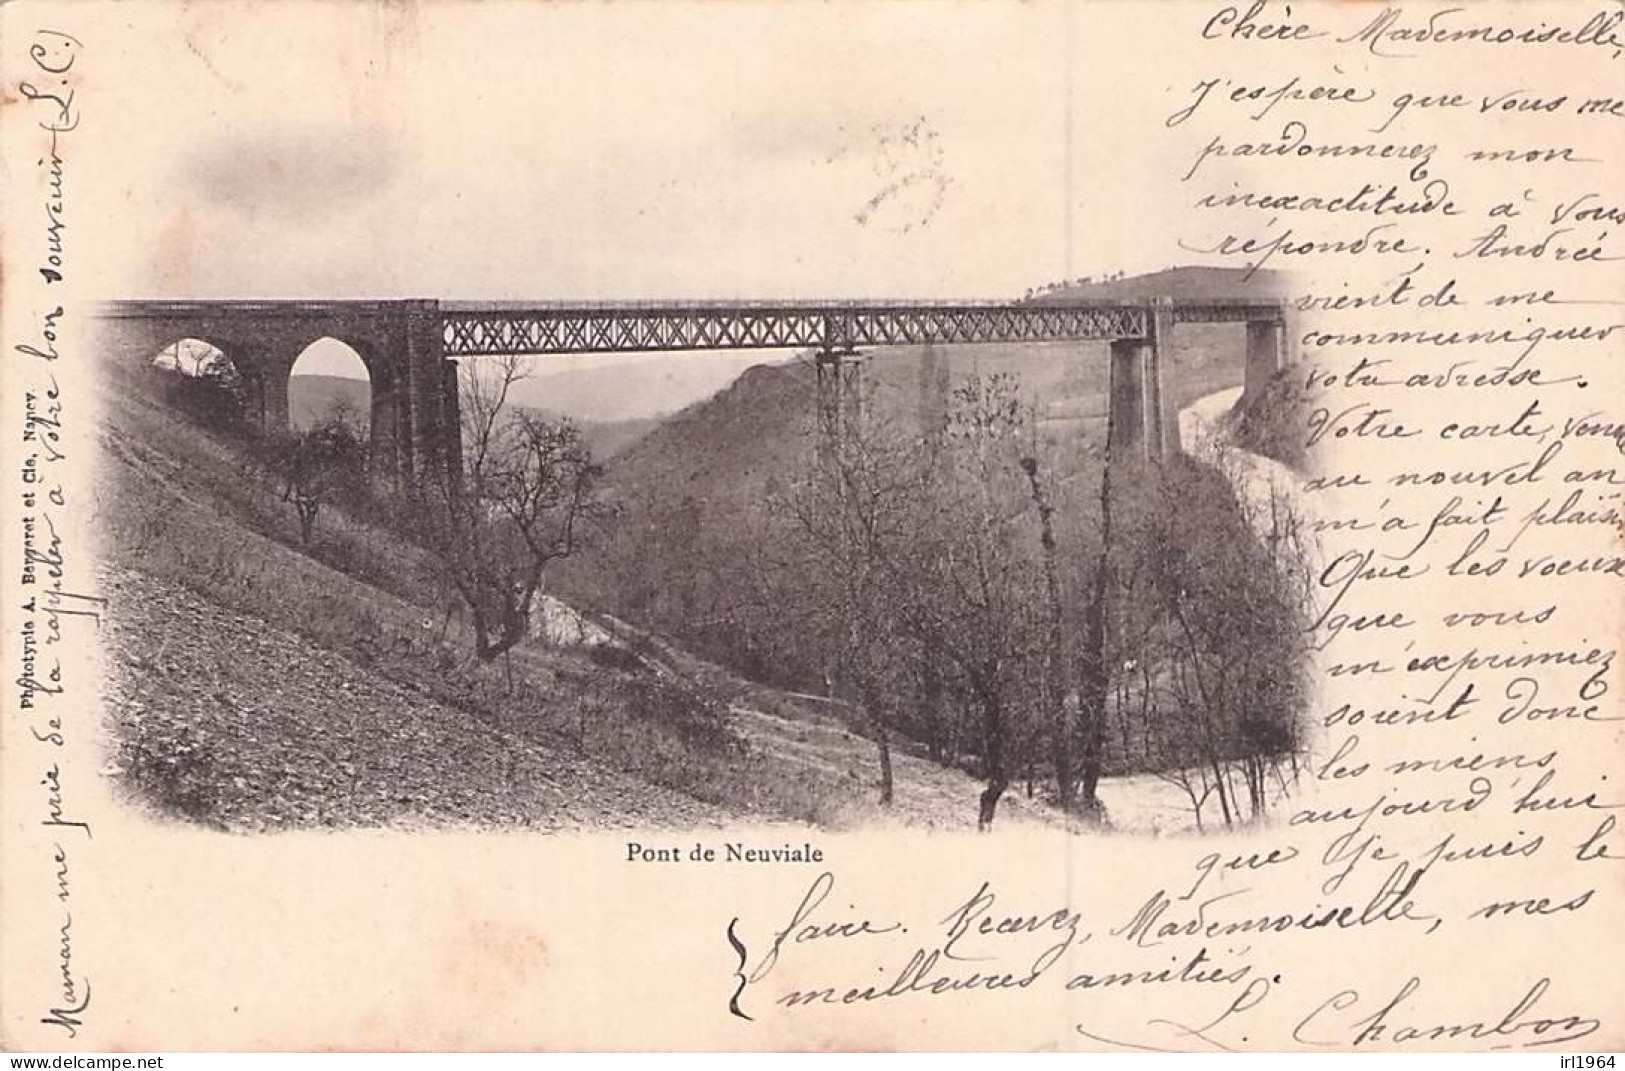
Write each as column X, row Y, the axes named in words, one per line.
column 1189, row 282
column 237, row 723
column 727, row 446
column 256, row 684
column 639, row 386
column 691, row 491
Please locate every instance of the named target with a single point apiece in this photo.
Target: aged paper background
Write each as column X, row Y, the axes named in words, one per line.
column 623, row 151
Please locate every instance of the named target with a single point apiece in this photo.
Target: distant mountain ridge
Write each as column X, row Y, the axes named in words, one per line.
column 312, row 399
column 607, row 438
column 1190, row 283
column 639, row 387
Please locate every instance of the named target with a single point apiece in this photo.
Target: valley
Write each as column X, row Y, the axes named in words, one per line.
column 684, row 667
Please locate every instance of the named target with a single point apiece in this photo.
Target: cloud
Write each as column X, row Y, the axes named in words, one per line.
column 312, row 173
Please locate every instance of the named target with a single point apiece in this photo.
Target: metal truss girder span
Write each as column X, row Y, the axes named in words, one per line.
column 474, row 329
column 636, row 328
column 1227, row 312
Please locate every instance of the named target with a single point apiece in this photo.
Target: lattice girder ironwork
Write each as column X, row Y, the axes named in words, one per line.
column 479, row 329
column 1228, row 312
column 557, row 329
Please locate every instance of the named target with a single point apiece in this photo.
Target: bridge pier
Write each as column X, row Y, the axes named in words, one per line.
column 426, row 385
column 451, row 422
column 1163, row 434
column 1266, row 354
column 384, row 447
column 934, row 390
column 273, row 377
column 1144, row 418
column 1130, row 413
column 837, row 400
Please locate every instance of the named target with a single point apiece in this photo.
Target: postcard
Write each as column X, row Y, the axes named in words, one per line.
column 854, row 526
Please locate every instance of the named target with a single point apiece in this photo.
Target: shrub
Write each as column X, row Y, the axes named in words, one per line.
column 694, row 714
column 215, row 397
column 612, row 656
column 1274, row 424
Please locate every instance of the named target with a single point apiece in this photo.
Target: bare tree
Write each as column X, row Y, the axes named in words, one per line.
column 921, row 545
column 963, row 584
column 343, row 413
column 521, row 503
column 315, row 467
column 848, row 516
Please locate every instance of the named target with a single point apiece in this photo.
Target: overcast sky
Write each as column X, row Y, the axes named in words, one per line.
column 626, row 150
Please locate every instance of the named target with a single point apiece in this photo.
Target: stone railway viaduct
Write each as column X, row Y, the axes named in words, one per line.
column 411, row 348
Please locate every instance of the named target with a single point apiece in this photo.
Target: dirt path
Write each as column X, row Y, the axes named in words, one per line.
column 818, row 747
column 932, row 796
column 1254, row 478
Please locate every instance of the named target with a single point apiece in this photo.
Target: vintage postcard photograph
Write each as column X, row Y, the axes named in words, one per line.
column 1079, row 525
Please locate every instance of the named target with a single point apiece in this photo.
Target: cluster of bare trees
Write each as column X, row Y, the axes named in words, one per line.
column 1209, row 629
column 201, row 382
column 1066, row 284
column 1017, row 610
column 940, row 557
column 522, row 499
column 308, row 468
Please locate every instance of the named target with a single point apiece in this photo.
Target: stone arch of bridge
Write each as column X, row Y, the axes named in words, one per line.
column 382, row 379
column 413, row 411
